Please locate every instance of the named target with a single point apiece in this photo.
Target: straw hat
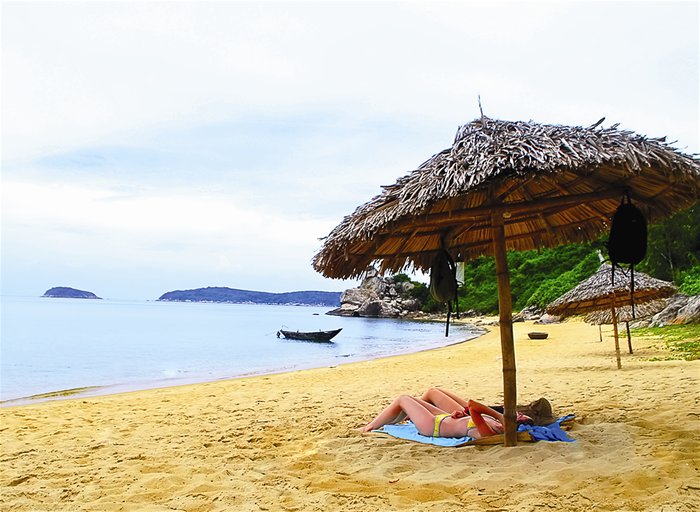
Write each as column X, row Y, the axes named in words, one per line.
column 540, row 411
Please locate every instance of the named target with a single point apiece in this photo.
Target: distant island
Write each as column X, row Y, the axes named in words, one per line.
column 69, row 293
column 235, row 296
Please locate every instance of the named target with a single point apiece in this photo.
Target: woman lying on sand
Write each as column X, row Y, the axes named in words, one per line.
column 539, row 411
column 475, row 420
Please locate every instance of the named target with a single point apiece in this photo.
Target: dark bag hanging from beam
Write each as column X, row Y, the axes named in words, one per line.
column 443, row 283
column 628, row 240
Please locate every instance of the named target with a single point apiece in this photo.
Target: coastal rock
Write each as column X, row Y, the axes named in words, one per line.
column 690, row 313
column 531, row 313
column 69, row 293
column 378, row 297
column 547, row 319
column 680, row 309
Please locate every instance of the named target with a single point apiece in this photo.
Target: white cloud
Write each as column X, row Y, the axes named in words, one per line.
column 93, row 226
column 181, row 143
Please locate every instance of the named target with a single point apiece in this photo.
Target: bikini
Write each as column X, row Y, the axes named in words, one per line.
column 438, row 421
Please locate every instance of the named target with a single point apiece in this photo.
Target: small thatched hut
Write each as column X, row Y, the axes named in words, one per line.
column 599, row 293
column 603, row 292
column 624, row 314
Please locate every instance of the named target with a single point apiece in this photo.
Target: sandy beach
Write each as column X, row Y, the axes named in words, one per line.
column 287, row 441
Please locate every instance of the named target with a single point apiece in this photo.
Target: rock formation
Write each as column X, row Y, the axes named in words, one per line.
column 680, row 309
column 378, row 296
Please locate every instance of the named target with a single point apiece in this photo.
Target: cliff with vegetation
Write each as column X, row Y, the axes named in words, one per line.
column 236, row 296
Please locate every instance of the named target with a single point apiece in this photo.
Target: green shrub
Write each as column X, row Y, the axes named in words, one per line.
column 690, row 281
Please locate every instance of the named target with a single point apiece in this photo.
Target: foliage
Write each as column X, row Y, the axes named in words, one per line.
column 542, row 278
column 674, row 246
column 682, row 340
column 690, row 281
column 480, row 288
column 401, row 278
column 539, row 277
column 428, row 304
column 536, row 277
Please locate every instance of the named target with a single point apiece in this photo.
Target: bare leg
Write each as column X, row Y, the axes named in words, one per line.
column 417, row 410
column 428, row 404
column 445, row 400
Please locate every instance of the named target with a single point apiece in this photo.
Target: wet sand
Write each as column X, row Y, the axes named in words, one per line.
column 287, row 441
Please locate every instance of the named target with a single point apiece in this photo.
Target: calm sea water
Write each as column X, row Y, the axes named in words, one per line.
column 51, row 344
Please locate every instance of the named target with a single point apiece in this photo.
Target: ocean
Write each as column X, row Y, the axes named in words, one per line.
column 50, row 345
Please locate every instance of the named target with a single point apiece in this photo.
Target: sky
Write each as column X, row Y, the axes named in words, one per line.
column 158, row 146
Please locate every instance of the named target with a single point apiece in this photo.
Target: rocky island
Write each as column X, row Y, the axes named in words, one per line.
column 236, row 296
column 69, row 293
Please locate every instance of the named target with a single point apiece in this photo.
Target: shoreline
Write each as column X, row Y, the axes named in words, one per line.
column 88, row 391
column 287, row 441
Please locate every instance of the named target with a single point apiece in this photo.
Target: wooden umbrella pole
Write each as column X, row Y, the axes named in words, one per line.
column 629, row 337
column 617, row 339
column 505, row 320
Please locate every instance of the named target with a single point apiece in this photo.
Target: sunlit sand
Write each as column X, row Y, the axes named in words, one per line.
column 288, row 441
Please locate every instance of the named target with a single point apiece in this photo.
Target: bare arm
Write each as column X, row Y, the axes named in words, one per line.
column 476, row 411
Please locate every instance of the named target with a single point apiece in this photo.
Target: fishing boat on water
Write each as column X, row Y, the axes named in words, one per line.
column 309, row 335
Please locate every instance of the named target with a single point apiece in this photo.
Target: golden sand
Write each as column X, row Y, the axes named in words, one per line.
column 287, row 442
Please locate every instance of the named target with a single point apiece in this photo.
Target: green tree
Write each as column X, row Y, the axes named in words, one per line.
column 673, row 246
column 539, row 277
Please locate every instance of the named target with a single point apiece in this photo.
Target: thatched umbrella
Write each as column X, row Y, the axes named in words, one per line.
column 624, row 314
column 509, row 185
column 599, row 293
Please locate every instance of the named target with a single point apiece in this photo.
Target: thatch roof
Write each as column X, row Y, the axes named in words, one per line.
column 596, row 292
column 551, row 184
column 624, row 314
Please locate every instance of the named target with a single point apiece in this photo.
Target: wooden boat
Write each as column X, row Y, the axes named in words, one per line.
column 309, row 336
column 538, row 335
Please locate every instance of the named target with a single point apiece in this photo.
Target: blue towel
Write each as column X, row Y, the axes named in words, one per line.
column 551, row 432
column 408, row 430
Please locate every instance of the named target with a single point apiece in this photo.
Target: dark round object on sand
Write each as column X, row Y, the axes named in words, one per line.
column 538, row 335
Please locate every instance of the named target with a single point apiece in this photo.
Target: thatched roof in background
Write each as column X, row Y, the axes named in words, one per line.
column 624, row 314
column 551, row 184
column 596, row 292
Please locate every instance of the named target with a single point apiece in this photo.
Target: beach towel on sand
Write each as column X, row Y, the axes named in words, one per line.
column 408, row 431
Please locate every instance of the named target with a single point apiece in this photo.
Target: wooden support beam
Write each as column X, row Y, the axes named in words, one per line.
column 617, row 338
column 505, row 320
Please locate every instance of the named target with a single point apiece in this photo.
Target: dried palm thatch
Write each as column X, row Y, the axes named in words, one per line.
column 551, row 184
column 598, row 293
column 624, row 314
column 602, row 292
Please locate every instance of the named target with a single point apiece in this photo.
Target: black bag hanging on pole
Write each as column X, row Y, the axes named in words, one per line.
column 443, row 283
column 628, row 240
